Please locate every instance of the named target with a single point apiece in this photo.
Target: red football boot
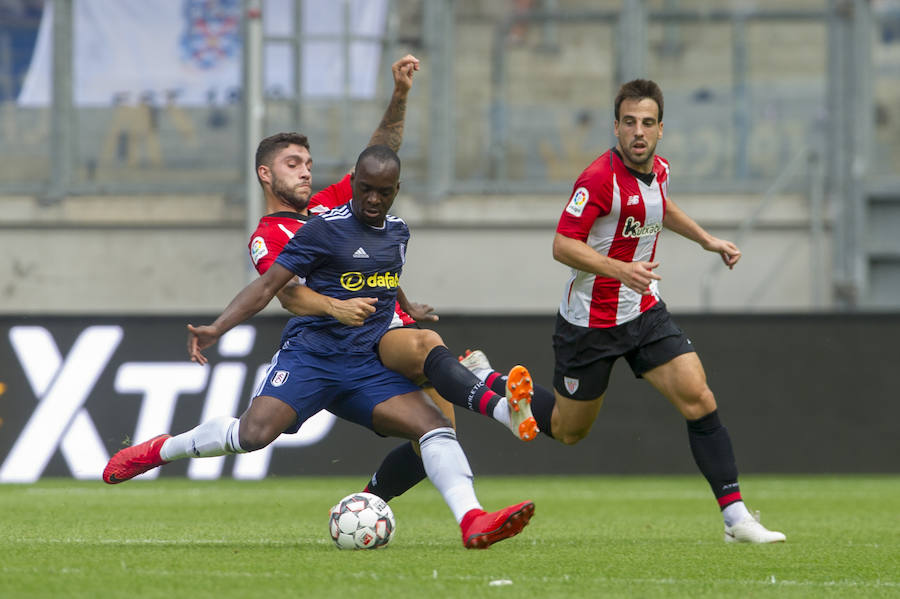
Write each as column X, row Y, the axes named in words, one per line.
column 482, row 529
column 134, row 460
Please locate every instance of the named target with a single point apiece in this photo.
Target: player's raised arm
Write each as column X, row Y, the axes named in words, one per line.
column 250, row 300
column 390, row 130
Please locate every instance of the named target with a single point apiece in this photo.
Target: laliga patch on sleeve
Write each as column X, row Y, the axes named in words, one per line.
column 578, row 202
column 258, row 249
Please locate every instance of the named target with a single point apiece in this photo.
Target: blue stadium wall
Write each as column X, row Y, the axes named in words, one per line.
column 799, row 393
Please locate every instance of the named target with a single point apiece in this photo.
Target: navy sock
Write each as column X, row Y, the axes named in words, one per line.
column 456, row 384
column 400, row 471
column 711, row 447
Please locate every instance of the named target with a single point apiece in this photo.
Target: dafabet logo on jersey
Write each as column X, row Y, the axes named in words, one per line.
column 354, row 281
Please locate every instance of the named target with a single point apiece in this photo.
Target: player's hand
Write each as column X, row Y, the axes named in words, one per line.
column 422, row 312
column 403, row 72
column 639, row 275
column 729, row 252
column 354, row 311
column 199, row 338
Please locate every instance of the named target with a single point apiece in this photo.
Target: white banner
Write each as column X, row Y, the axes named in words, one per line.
column 189, row 51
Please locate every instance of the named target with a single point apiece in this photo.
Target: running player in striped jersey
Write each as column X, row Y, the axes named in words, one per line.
column 611, row 306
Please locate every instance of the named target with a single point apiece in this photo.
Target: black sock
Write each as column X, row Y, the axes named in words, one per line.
column 400, row 471
column 496, row 381
column 542, row 403
column 456, row 384
column 711, row 446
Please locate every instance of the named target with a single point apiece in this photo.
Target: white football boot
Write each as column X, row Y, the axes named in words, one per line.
column 477, row 363
column 749, row 530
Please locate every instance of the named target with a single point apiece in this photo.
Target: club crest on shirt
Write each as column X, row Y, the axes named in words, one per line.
column 578, row 202
column 279, row 378
column 258, row 249
column 571, row 384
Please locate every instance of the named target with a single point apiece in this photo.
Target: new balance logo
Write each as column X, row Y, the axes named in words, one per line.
column 632, row 200
column 360, row 253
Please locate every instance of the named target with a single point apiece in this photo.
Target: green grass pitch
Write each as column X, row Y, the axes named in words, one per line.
column 590, row 537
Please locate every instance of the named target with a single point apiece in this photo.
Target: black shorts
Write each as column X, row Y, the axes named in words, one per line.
column 585, row 356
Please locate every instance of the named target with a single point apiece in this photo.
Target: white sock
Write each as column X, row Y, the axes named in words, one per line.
column 501, row 411
column 735, row 512
column 483, row 373
column 215, row 437
column 448, row 469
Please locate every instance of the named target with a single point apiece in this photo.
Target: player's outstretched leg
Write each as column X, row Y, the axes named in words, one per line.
column 134, row 460
column 482, row 529
column 519, row 390
column 448, row 469
column 750, row 530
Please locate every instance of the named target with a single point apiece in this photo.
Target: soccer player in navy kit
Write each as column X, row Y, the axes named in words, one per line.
column 357, row 250
column 284, row 171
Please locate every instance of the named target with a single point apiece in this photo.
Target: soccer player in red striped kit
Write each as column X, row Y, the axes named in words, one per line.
column 611, row 306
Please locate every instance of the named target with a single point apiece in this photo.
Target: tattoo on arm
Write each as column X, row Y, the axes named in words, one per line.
column 390, row 130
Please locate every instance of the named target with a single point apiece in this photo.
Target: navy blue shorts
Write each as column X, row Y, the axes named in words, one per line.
column 349, row 385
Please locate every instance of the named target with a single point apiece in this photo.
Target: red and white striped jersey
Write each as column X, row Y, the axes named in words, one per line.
column 619, row 215
column 275, row 230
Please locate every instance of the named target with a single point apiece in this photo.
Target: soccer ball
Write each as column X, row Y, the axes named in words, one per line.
column 361, row 521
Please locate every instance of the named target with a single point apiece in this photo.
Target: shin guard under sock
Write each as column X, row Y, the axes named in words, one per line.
column 456, row 384
column 711, row 447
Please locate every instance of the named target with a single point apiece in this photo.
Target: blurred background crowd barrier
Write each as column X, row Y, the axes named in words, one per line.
column 782, row 125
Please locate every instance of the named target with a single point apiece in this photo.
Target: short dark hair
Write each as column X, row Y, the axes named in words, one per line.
column 379, row 152
column 273, row 144
column 638, row 89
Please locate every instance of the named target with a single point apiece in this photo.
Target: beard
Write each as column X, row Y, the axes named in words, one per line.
column 649, row 152
column 298, row 200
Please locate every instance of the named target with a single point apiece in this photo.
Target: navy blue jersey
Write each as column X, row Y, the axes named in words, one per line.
column 343, row 258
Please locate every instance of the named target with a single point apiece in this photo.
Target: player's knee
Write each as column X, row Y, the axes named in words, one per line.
column 699, row 404
column 570, row 437
column 570, row 433
column 438, row 420
column 426, row 341
column 253, row 436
